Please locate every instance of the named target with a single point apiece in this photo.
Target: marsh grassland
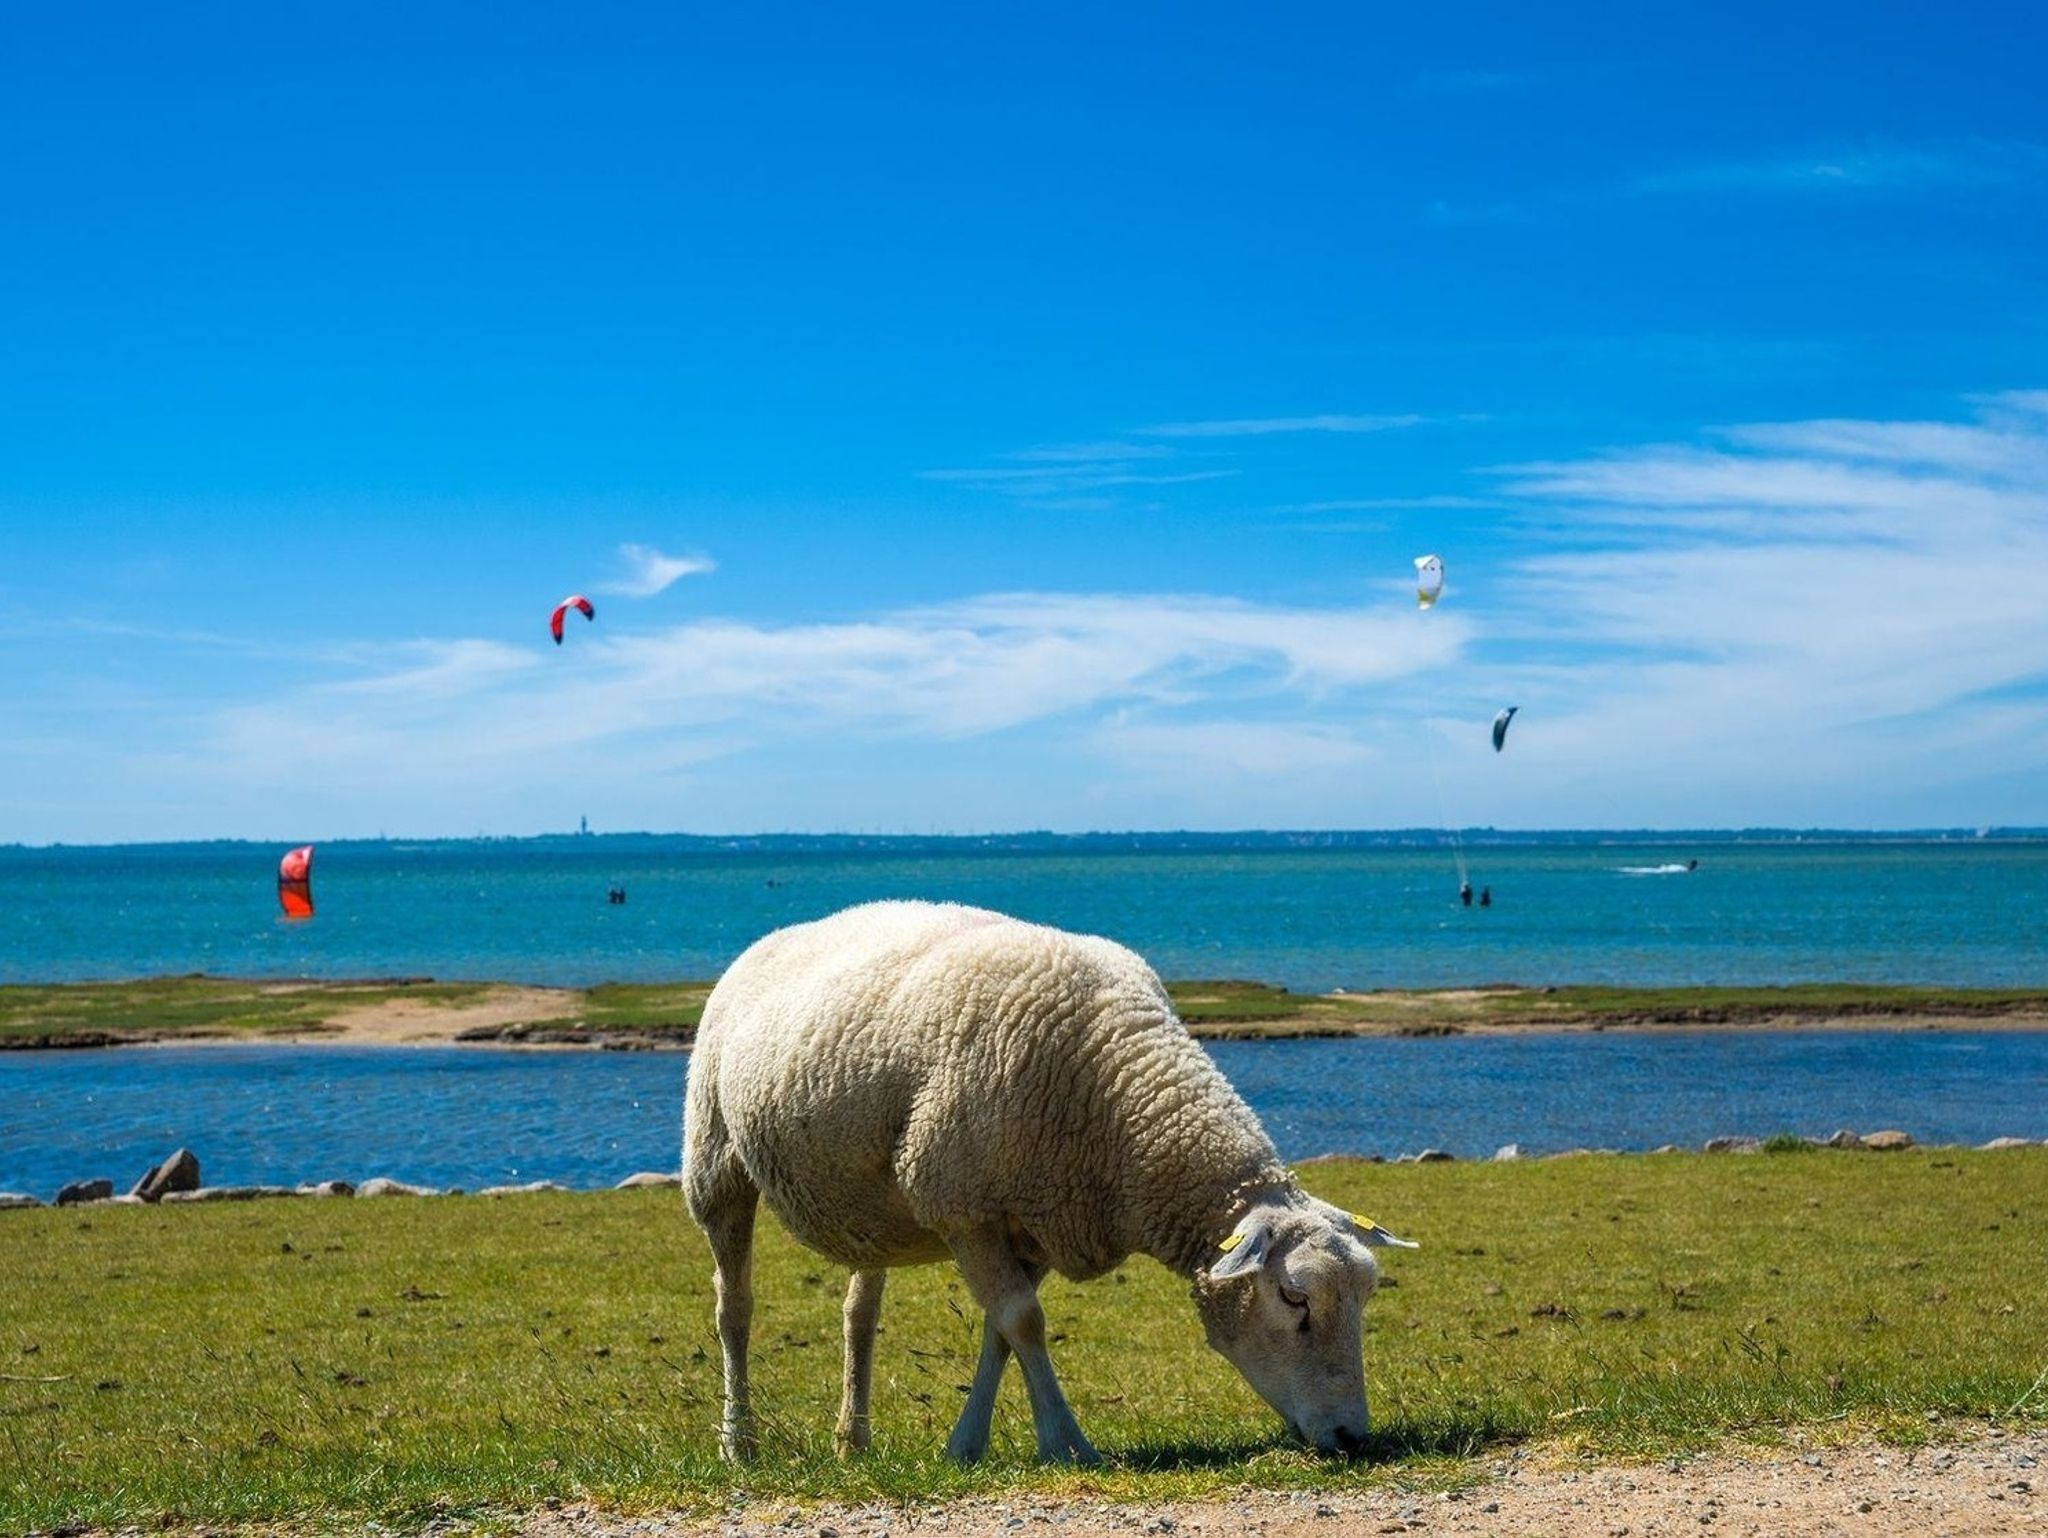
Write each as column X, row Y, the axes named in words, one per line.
column 323, row 1361
column 667, row 1014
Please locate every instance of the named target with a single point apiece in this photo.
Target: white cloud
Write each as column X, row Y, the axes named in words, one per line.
column 1372, row 504
column 947, row 672
column 1090, row 476
column 1088, row 453
column 1051, row 480
column 653, row 572
column 1821, row 621
column 1252, row 427
column 1872, row 167
column 1261, row 750
column 1471, row 82
column 1833, row 621
column 443, row 670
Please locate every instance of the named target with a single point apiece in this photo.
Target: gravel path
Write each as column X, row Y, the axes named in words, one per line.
column 1991, row 1484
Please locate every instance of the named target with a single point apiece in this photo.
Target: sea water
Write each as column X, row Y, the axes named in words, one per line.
column 471, row 1117
column 536, row 911
column 1313, row 918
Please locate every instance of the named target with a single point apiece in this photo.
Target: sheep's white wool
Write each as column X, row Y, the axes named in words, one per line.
column 902, row 1070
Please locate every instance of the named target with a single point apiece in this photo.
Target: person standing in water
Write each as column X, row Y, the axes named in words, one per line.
column 1465, row 893
column 1486, row 897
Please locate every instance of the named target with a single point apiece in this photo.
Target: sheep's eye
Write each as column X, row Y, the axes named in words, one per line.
column 1292, row 1298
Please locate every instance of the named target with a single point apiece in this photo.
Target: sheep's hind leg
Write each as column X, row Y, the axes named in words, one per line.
column 863, row 1314
column 728, row 1221
column 1007, row 1290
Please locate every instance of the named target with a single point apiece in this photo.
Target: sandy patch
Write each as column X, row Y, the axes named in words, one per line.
column 402, row 1021
column 1988, row 1484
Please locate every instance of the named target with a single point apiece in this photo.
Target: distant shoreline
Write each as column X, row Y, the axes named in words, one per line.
column 1138, row 841
column 202, row 1010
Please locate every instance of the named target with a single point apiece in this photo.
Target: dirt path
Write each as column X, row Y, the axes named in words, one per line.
column 1990, row 1484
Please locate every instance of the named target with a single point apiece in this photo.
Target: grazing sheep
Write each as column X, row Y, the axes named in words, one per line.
column 907, row 1081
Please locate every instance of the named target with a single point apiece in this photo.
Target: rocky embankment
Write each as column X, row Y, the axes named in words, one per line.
column 177, row 1178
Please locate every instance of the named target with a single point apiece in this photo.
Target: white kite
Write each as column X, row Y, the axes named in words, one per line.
column 1429, row 580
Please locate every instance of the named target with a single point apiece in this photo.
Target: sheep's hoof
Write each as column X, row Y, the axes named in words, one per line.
column 1080, row 1451
column 960, row 1450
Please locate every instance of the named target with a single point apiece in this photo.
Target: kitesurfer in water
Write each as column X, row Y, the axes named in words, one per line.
column 1692, row 864
column 1465, row 893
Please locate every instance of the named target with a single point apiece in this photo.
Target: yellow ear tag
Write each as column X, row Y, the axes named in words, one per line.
column 1231, row 1243
column 1363, row 1221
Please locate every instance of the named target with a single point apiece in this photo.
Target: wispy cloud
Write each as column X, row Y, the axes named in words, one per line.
column 1091, row 476
column 1445, row 501
column 1823, row 620
column 1869, row 168
column 1079, row 477
column 650, row 571
column 1054, row 480
column 1472, row 82
column 1441, row 211
column 1090, row 453
column 1259, row 749
column 946, row 672
column 1773, row 626
column 1253, row 427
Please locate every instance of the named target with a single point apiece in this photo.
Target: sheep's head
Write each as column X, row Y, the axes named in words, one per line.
column 1282, row 1300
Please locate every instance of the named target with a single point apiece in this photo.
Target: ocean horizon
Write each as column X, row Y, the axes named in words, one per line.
column 1133, row 838
column 1312, row 910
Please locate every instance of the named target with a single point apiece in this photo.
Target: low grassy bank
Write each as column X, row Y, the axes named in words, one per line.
column 168, row 1008
column 318, row 1360
column 667, row 1014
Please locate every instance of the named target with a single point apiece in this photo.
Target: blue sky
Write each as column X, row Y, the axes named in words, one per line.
column 1046, row 409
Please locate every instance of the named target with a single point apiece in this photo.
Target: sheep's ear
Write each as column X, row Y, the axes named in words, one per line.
column 1371, row 1233
column 1244, row 1250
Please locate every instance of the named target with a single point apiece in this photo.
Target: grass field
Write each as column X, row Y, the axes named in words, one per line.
column 313, row 1361
column 102, row 1014
column 87, row 1014
column 1214, row 1008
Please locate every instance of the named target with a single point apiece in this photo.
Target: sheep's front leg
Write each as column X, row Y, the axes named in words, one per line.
column 863, row 1314
column 1008, row 1294
column 969, row 1441
column 729, row 1224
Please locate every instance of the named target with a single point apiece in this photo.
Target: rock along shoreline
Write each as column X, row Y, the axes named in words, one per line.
column 177, row 1180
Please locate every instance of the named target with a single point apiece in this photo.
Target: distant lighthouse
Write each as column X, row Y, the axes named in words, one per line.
column 583, row 827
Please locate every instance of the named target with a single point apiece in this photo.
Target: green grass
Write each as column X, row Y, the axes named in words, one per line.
column 663, row 1014
column 1710, row 1005
column 80, row 1014
column 89, row 1014
column 1788, row 1143
column 650, row 1008
column 313, row 1362
column 1225, row 1007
